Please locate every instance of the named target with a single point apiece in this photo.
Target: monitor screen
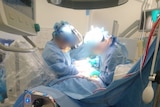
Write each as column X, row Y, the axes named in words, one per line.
column 23, row 6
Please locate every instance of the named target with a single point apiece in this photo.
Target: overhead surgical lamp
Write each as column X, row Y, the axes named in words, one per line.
column 87, row 4
column 57, row 2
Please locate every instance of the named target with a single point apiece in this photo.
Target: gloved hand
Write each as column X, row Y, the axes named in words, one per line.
column 94, row 62
column 95, row 73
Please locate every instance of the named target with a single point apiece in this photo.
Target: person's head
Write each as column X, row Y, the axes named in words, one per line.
column 99, row 38
column 65, row 35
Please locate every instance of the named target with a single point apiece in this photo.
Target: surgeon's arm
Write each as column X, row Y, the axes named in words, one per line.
column 107, row 75
column 57, row 64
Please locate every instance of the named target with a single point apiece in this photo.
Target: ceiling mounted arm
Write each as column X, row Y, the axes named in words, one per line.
column 13, row 49
column 87, row 4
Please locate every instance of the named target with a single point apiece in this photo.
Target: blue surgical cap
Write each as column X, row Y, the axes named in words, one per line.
column 67, row 32
column 57, row 28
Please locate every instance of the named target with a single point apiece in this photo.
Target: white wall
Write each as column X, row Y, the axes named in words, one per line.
column 125, row 15
column 47, row 14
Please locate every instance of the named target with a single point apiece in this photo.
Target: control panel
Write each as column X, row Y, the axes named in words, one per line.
column 18, row 18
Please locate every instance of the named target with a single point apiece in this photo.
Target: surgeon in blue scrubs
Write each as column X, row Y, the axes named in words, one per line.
column 111, row 51
column 56, row 52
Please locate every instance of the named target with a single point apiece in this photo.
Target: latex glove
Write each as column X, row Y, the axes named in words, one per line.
column 94, row 62
column 95, row 73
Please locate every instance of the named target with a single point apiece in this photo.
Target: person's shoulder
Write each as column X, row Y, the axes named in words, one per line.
column 114, row 50
column 51, row 49
column 50, row 45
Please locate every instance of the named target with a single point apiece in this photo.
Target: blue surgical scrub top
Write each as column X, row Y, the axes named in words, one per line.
column 114, row 55
column 59, row 62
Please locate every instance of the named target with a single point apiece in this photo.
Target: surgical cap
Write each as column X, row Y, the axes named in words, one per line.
column 57, row 28
column 96, row 35
column 67, row 32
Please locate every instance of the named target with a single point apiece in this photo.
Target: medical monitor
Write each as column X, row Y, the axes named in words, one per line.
column 148, row 18
column 17, row 17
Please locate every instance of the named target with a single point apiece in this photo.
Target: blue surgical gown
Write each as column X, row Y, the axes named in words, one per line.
column 114, row 55
column 59, row 62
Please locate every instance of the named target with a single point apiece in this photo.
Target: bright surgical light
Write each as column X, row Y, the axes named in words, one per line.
column 95, row 35
column 57, row 2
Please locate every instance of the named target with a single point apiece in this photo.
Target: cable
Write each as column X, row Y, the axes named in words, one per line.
column 155, row 54
column 143, row 8
column 142, row 36
column 149, row 40
column 143, row 33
